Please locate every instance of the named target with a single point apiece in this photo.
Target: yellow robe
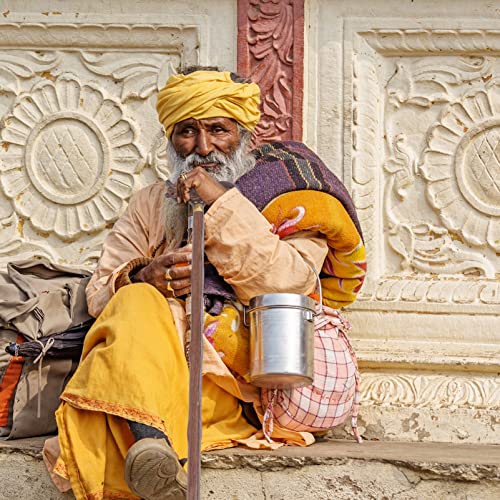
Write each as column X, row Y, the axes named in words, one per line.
column 121, row 375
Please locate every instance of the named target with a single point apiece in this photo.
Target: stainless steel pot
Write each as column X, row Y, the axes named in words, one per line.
column 282, row 339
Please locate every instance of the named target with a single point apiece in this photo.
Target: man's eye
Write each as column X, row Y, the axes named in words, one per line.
column 218, row 130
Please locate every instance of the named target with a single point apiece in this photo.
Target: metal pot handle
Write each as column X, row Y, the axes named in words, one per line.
column 245, row 316
column 319, row 287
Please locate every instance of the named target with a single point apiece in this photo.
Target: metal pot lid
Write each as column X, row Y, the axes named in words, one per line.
column 293, row 300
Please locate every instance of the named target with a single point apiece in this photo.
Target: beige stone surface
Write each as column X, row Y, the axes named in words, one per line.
column 327, row 470
column 352, row 479
column 79, row 132
column 417, row 424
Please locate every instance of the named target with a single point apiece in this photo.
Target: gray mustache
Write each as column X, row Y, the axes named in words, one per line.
column 194, row 159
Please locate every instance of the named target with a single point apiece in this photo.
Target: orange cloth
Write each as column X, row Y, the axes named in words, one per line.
column 133, row 367
column 344, row 268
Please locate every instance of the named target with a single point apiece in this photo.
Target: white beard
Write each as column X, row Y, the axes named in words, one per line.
column 175, row 222
column 230, row 169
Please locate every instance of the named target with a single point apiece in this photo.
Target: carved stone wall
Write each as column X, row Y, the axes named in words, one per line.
column 415, row 134
column 78, row 126
column 401, row 99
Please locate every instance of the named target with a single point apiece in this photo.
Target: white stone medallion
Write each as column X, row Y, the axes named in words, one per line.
column 462, row 167
column 69, row 157
column 79, row 133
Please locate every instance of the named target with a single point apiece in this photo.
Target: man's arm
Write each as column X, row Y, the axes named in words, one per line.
column 132, row 239
column 241, row 246
column 253, row 260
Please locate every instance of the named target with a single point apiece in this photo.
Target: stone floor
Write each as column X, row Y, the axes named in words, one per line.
column 331, row 469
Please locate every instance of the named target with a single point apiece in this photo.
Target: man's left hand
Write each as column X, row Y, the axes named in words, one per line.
column 207, row 188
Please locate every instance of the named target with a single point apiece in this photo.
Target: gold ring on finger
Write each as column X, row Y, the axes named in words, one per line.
column 167, row 274
column 183, row 176
column 169, row 287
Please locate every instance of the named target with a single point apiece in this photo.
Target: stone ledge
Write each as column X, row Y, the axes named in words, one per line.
column 440, row 460
column 331, row 469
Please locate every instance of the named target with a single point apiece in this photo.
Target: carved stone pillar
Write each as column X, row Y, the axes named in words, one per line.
column 271, row 52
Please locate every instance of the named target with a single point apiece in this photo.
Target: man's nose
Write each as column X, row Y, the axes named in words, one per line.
column 204, row 144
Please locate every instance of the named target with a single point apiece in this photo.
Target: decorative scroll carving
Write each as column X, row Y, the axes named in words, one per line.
column 401, row 163
column 21, row 65
column 415, row 41
column 11, row 241
column 157, row 157
column 270, row 50
column 462, row 167
column 141, row 74
column 423, row 83
column 111, row 37
column 69, row 157
column 430, row 249
column 430, row 391
column 428, row 290
column 365, row 151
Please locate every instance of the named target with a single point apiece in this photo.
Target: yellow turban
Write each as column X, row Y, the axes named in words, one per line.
column 207, row 94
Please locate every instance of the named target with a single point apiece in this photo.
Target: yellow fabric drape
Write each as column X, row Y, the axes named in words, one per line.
column 207, row 94
column 344, row 268
column 122, row 375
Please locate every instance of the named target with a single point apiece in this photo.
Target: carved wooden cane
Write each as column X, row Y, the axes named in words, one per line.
column 195, row 345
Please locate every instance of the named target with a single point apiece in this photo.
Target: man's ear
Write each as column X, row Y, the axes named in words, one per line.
column 245, row 136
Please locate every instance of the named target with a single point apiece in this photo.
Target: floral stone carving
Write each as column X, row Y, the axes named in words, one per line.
column 68, row 157
column 423, row 167
column 462, row 167
column 141, row 74
column 436, row 391
column 16, row 65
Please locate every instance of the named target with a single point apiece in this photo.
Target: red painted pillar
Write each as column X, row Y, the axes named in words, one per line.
column 271, row 52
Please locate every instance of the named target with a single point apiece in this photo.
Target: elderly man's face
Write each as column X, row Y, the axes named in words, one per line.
column 202, row 137
column 216, row 144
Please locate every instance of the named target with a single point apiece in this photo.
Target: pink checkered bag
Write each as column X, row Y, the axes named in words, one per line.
column 334, row 393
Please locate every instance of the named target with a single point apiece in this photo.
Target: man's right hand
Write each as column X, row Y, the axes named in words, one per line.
column 170, row 273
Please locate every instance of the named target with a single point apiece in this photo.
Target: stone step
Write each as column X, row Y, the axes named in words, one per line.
column 331, row 469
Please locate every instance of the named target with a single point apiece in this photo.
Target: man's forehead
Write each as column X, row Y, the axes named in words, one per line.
column 206, row 121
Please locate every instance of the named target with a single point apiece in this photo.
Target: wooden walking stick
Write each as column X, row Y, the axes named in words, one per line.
column 195, row 344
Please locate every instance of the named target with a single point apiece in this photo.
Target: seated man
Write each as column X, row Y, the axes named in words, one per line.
column 271, row 215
